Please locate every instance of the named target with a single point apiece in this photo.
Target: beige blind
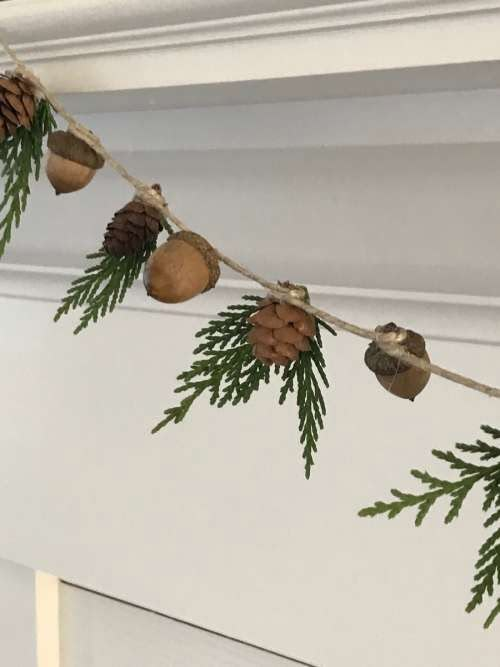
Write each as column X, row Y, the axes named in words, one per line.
column 100, row 632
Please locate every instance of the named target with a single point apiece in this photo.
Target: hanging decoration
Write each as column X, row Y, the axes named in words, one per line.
column 397, row 377
column 280, row 331
column 24, row 122
column 470, row 476
column 239, row 349
column 180, row 269
column 72, row 163
column 231, row 367
column 129, row 240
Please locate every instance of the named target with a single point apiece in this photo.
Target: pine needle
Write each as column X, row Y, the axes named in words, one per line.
column 21, row 157
column 487, row 566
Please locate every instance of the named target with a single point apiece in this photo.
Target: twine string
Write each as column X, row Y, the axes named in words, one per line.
column 394, row 348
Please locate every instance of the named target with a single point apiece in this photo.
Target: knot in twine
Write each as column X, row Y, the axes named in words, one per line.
column 392, row 340
column 152, row 195
column 292, row 291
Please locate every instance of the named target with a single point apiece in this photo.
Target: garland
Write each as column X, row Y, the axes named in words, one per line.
column 248, row 342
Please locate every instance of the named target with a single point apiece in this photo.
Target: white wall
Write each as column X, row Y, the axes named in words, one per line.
column 212, row 521
column 17, row 615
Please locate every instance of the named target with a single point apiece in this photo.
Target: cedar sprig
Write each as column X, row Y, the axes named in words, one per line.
column 103, row 285
column 470, row 475
column 228, row 371
column 21, row 156
column 230, row 374
column 305, row 375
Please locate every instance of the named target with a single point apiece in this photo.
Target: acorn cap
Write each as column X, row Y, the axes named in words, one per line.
column 71, row 147
column 206, row 250
column 382, row 363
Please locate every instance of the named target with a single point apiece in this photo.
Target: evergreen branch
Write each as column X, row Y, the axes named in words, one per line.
column 488, row 564
column 102, row 286
column 21, row 156
column 302, row 375
column 229, row 373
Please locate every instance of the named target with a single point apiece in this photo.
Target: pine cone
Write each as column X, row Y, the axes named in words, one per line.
column 17, row 104
column 280, row 332
column 132, row 228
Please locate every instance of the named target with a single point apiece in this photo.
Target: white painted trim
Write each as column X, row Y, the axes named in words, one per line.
column 47, row 620
column 442, row 118
column 109, row 39
column 69, row 273
column 157, row 44
column 455, row 317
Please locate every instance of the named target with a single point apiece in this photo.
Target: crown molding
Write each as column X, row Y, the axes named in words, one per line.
column 113, row 32
column 452, row 317
column 163, row 44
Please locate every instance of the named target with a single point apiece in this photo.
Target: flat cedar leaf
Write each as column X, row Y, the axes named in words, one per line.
column 493, row 614
column 493, row 432
column 423, row 510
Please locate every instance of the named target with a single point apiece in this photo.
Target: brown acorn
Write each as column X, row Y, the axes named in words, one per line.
column 280, row 332
column 183, row 267
column 72, row 163
column 397, row 377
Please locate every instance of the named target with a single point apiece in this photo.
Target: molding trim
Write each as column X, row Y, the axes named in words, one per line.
column 158, row 44
column 109, row 39
column 452, row 317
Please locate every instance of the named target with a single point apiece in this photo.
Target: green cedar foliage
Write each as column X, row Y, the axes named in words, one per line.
column 229, row 373
column 104, row 284
column 21, row 156
column 470, row 475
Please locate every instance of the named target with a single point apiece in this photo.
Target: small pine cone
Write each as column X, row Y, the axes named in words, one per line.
column 280, row 332
column 132, row 228
column 17, row 104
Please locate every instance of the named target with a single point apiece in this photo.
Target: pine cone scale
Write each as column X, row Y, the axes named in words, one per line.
column 10, row 84
column 29, row 105
column 153, row 213
column 14, row 101
column 17, row 104
column 8, row 114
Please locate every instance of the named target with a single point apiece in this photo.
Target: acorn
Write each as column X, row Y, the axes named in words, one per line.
column 72, row 163
column 395, row 376
column 183, row 267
